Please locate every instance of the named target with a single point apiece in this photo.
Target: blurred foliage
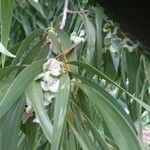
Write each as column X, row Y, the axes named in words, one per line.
column 102, row 101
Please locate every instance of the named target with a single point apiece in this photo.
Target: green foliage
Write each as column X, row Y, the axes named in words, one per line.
column 85, row 86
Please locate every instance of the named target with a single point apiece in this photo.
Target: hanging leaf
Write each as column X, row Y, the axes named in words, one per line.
column 122, row 133
column 62, row 99
column 35, row 96
column 99, row 45
column 103, row 76
column 6, row 17
column 26, row 43
column 18, row 86
column 10, row 127
column 78, row 137
column 90, row 31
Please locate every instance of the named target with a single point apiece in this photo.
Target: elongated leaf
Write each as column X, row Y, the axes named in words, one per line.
column 3, row 89
column 25, row 23
column 25, row 44
column 66, row 43
column 64, row 38
column 109, row 97
column 29, row 58
column 56, row 45
column 6, row 8
column 5, row 71
column 3, row 50
column 98, row 21
column 62, row 99
column 95, row 131
column 6, row 17
column 122, row 133
column 78, row 137
column 18, row 86
column 37, row 6
column 147, row 65
column 11, row 125
column 101, row 75
column 90, row 31
column 132, row 60
column 35, row 95
column 23, row 142
column 83, row 134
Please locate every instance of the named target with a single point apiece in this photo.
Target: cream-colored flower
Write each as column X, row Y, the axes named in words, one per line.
column 36, row 119
column 50, row 83
column 77, row 38
column 53, row 66
column 47, row 98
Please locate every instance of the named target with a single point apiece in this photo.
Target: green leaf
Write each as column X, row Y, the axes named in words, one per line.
column 132, row 60
column 112, row 100
column 26, row 43
column 6, row 71
column 37, row 6
column 35, row 95
column 122, row 133
column 4, row 51
column 103, row 76
column 108, row 66
column 147, row 67
column 6, row 17
column 6, row 7
column 98, row 21
column 64, row 38
column 90, row 31
column 11, row 126
column 78, row 137
column 56, row 45
column 66, row 43
column 62, row 99
column 85, row 135
column 3, row 89
column 96, row 132
column 18, row 86
column 29, row 58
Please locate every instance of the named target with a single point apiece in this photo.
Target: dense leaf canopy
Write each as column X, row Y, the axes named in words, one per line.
column 70, row 79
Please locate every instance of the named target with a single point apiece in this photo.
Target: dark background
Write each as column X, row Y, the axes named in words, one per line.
column 133, row 15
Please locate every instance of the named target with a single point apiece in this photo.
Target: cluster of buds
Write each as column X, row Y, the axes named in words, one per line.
column 49, row 81
column 52, row 70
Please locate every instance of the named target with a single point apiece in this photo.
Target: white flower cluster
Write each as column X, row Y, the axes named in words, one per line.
column 77, row 38
column 50, row 79
column 52, row 70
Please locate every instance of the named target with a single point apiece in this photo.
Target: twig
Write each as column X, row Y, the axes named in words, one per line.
column 66, row 51
column 63, row 22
